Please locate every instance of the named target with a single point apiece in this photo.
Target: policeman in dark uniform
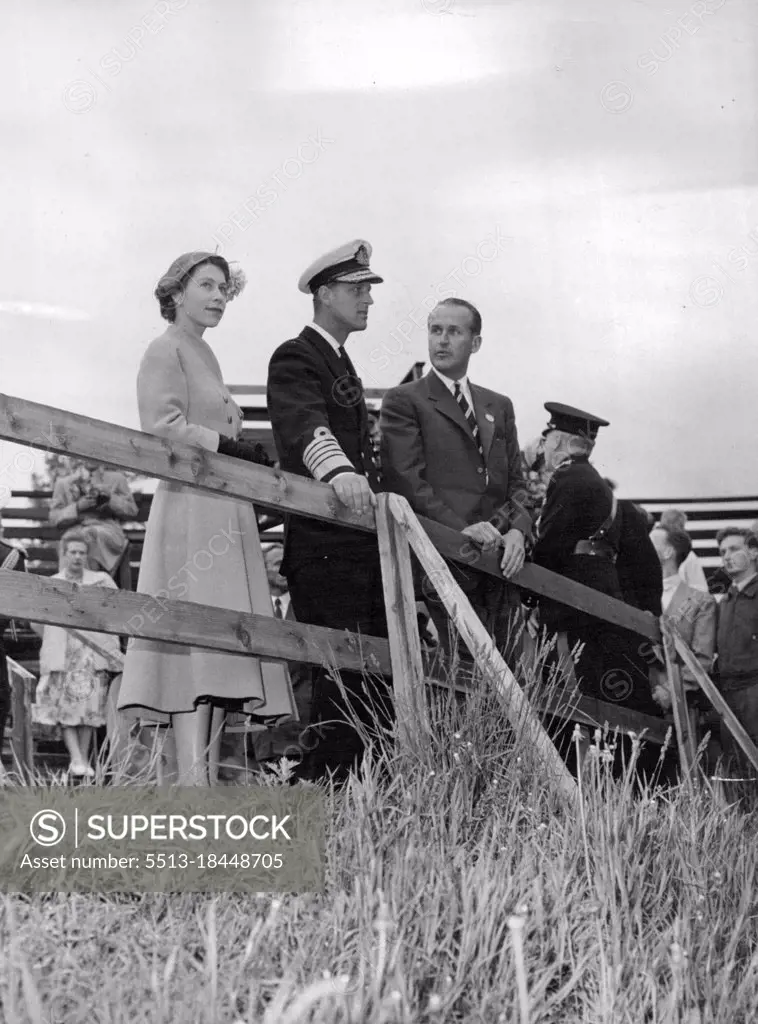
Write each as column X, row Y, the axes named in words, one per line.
column 10, row 558
column 321, row 430
column 579, row 536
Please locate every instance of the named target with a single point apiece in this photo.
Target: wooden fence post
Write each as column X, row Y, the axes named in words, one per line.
column 684, row 739
column 402, row 625
column 517, row 707
column 22, row 744
column 709, row 688
column 212, row 628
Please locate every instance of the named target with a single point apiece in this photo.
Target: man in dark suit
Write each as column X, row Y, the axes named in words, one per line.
column 579, row 536
column 451, row 449
column 736, row 633
column 288, row 737
column 321, row 430
column 638, row 566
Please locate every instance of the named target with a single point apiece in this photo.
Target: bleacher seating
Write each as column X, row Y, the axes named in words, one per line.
column 705, row 517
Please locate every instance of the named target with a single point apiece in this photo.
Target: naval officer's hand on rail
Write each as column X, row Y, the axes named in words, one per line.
column 353, row 490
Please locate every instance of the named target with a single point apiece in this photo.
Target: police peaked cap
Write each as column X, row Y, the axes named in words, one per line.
column 573, row 421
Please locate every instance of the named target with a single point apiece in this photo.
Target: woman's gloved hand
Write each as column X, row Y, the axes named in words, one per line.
column 243, row 450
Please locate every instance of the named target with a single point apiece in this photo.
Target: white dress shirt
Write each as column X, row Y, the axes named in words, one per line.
column 327, row 337
column 450, row 385
column 670, row 584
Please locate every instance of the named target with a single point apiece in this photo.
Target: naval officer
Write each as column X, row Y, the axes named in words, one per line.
column 321, row 430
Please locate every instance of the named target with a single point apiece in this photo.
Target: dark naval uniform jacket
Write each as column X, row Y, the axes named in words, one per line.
column 321, row 427
column 577, row 503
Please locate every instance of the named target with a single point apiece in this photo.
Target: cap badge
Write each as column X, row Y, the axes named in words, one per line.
column 362, row 255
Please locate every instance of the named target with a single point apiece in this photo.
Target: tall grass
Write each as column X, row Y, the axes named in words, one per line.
column 458, row 889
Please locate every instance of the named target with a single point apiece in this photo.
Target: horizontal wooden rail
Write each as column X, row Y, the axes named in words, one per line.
column 41, row 514
column 597, row 713
column 578, row 707
column 97, row 609
column 51, row 533
column 541, row 581
column 67, row 433
column 49, row 553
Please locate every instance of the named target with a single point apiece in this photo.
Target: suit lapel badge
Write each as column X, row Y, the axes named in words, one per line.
column 489, row 417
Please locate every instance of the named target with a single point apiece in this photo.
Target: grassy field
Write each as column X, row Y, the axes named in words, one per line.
column 458, row 889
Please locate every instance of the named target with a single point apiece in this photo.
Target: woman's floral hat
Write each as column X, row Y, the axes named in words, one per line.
column 183, row 265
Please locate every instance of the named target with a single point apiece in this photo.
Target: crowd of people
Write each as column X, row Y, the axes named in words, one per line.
column 448, row 445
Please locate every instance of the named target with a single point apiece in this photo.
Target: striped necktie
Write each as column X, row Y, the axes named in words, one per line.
column 468, row 412
column 347, row 361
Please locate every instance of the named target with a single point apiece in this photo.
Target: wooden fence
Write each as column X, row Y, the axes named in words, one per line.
column 184, row 623
column 706, row 515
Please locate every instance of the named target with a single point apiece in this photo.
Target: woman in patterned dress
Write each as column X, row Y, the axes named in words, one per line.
column 73, row 688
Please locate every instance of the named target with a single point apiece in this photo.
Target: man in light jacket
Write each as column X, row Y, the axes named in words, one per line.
column 689, row 609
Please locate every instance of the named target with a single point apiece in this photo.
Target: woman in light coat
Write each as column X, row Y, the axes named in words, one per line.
column 199, row 546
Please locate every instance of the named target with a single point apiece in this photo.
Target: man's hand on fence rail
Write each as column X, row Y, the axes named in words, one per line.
column 486, row 535
column 514, row 553
column 29, row 423
column 353, row 490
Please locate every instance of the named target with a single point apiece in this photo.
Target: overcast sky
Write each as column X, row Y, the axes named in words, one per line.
column 584, row 172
